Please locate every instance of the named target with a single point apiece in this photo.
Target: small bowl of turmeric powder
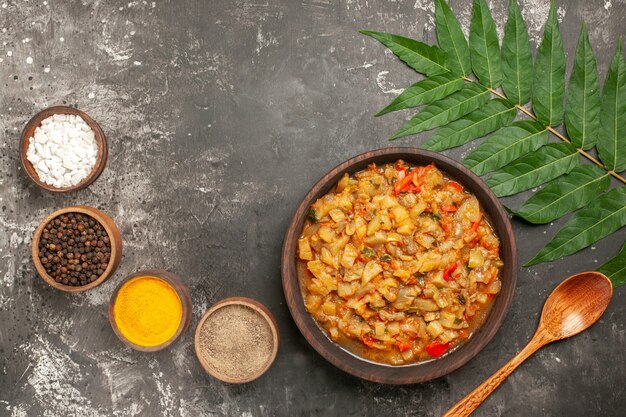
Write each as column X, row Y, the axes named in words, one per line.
column 150, row 310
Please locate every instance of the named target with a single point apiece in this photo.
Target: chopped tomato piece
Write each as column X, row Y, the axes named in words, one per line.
column 490, row 296
column 455, row 185
column 408, row 184
column 446, row 226
column 448, row 271
column 436, row 348
column 474, row 241
column 448, row 208
column 401, row 184
column 403, row 346
column 477, row 222
column 368, row 340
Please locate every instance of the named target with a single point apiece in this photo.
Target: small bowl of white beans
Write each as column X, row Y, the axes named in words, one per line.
column 62, row 149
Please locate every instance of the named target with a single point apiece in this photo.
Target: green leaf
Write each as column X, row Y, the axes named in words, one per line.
column 583, row 96
column 549, row 80
column 517, row 60
column 451, row 39
column 534, row 169
column 615, row 269
column 422, row 58
column 484, row 47
column 605, row 216
column 565, row 194
column 442, row 112
column 494, row 115
column 612, row 138
column 506, row 145
column 424, row 92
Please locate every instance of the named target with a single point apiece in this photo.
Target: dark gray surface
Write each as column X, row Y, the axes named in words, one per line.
column 220, row 116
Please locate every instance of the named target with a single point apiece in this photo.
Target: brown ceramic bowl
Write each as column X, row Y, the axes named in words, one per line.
column 418, row 372
column 261, row 310
column 29, row 131
column 183, row 293
column 112, row 231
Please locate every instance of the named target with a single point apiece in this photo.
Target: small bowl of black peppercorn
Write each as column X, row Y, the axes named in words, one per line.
column 76, row 248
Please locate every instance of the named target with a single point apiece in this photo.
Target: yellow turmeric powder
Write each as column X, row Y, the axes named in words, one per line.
column 147, row 311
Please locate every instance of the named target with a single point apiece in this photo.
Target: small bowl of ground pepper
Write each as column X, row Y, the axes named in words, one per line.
column 237, row 340
column 150, row 310
column 76, row 248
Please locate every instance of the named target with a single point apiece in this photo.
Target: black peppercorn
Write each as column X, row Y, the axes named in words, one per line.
column 67, row 247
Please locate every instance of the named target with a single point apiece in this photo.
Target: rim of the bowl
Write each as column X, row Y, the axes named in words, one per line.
column 112, row 231
column 259, row 309
column 182, row 291
column 101, row 141
column 422, row 371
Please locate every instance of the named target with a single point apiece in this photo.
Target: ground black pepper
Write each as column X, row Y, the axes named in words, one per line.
column 236, row 341
column 74, row 249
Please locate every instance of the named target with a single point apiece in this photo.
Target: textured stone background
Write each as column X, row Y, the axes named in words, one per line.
column 220, row 115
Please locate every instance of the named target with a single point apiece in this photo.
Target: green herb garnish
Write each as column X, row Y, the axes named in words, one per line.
column 367, row 252
column 312, row 215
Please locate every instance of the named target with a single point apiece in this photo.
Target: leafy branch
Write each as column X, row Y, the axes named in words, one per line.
column 476, row 88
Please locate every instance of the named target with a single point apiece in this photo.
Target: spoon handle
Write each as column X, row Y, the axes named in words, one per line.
column 467, row 405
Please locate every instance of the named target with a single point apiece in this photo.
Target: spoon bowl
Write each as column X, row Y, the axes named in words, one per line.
column 576, row 304
column 573, row 306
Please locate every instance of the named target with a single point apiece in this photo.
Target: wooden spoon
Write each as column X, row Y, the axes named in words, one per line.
column 573, row 306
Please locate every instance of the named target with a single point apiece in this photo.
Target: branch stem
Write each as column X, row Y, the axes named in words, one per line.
column 555, row 133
